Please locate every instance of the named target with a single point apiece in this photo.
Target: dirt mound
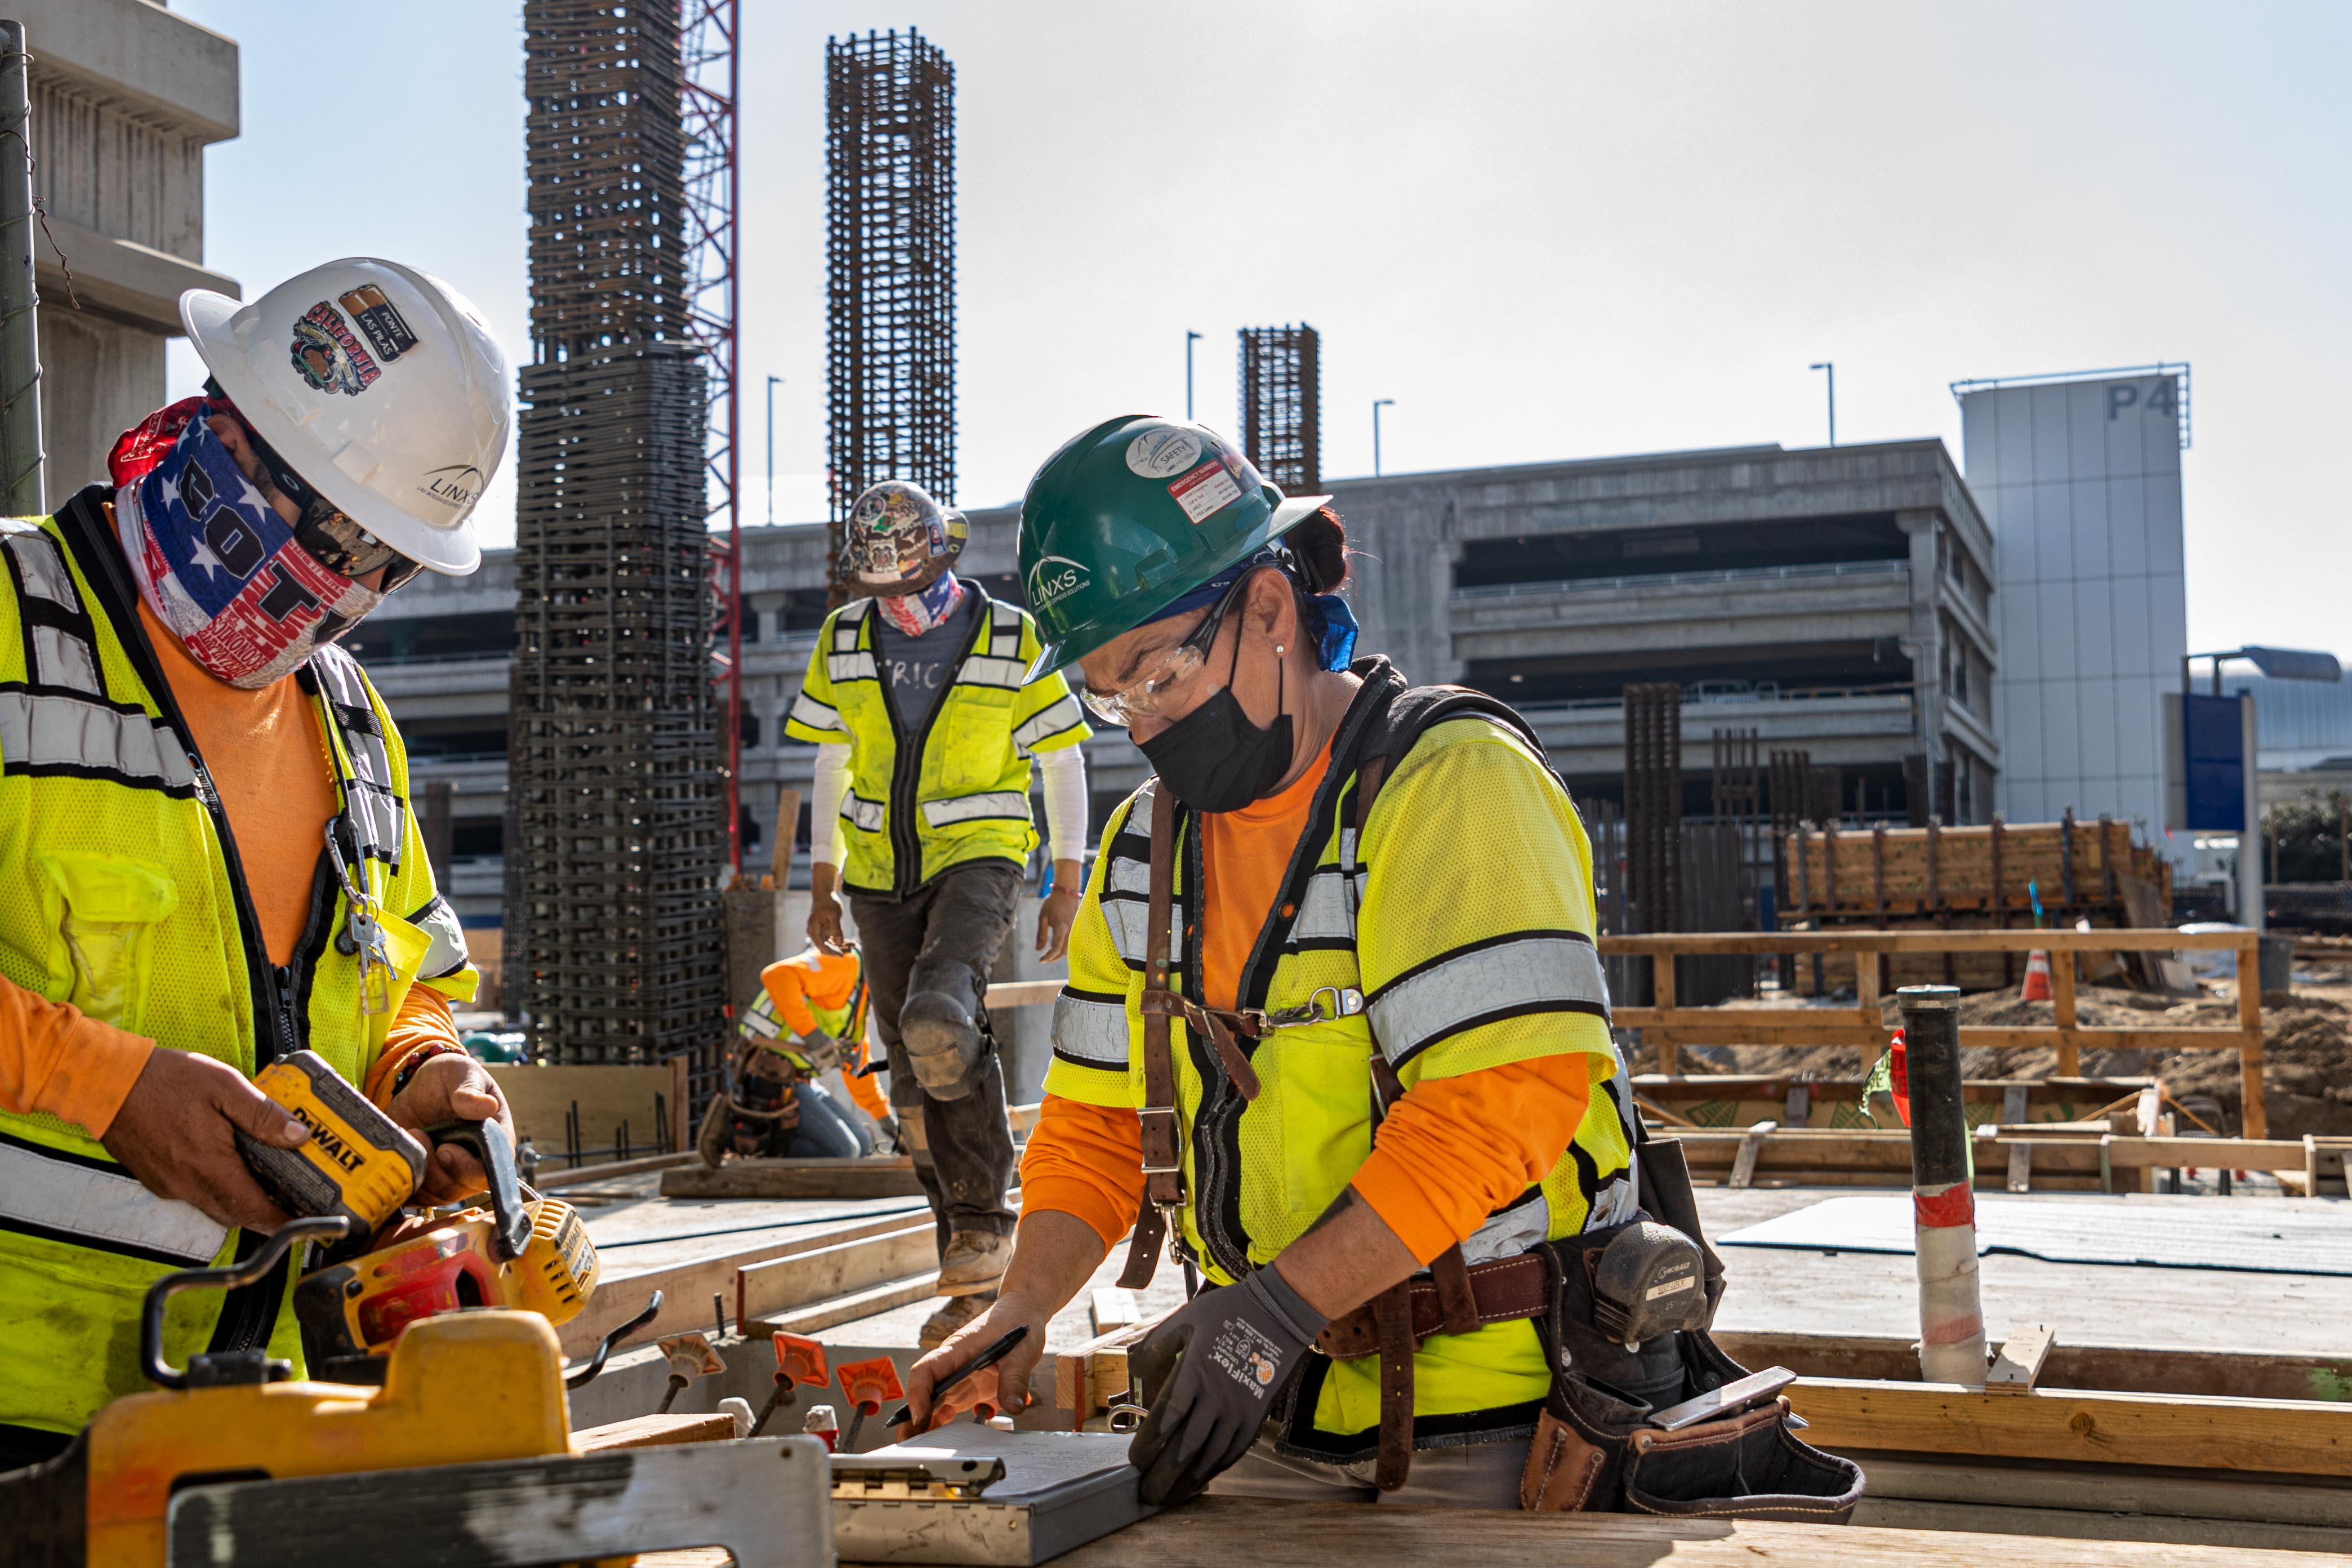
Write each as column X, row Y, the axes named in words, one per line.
column 2306, row 1050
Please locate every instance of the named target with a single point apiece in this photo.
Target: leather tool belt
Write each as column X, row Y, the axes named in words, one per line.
column 1505, row 1289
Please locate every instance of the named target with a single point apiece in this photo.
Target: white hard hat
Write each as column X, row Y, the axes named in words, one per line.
column 379, row 385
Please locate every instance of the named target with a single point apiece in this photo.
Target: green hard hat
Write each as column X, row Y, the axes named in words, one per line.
column 1129, row 518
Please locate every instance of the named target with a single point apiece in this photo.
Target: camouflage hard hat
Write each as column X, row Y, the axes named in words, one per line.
column 896, row 530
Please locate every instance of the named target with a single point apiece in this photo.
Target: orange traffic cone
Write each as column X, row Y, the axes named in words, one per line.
column 2037, row 976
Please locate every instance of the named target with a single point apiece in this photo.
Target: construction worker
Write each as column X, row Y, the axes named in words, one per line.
column 208, row 858
column 806, row 1027
column 925, row 721
column 1378, row 901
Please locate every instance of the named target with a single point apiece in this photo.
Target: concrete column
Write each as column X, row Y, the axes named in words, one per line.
column 1926, row 631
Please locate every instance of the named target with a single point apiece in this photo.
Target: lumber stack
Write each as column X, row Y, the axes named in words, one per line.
column 1963, row 878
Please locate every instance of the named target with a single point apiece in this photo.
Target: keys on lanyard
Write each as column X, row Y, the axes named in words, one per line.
column 361, row 935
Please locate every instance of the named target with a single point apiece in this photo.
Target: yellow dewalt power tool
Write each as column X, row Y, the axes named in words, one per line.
column 507, row 1248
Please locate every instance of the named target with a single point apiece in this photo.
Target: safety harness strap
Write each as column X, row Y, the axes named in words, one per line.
column 1163, row 1169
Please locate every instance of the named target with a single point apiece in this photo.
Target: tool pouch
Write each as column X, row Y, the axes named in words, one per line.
column 1595, row 1452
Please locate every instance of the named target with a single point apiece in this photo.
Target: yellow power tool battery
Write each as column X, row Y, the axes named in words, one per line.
column 359, row 1163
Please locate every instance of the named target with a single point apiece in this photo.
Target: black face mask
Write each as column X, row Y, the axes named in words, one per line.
column 1213, row 759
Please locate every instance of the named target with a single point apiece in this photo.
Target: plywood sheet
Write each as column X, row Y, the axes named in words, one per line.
column 2243, row 1238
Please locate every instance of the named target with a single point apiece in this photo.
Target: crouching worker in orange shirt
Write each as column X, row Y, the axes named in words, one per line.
column 808, row 1021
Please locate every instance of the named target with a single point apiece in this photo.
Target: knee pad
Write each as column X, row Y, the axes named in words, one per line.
column 942, row 1042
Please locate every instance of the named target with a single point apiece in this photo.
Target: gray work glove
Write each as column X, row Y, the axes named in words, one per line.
column 1216, row 1367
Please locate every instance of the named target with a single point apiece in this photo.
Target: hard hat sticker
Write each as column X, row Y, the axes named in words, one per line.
column 1206, row 490
column 328, row 356
column 379, row 320
column 1054, row 577
column 1163, row 454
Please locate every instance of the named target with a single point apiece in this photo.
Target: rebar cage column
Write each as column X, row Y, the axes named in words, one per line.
column 890, row 270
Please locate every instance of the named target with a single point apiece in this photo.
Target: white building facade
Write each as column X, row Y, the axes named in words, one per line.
column 2079, row 477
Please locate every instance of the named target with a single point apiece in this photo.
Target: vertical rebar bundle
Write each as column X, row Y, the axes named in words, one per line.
column 21, row 489
column 1653, row 802
column 616, row 739
column 890, row 268
column 1282, row 408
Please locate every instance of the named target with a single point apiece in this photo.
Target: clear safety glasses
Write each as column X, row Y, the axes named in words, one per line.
column 1149, row 696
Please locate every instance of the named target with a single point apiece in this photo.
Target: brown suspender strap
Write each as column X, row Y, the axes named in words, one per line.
column 1392, row 1308
column 1163, row 1168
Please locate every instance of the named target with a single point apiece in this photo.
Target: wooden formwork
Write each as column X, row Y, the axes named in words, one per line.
column 1669, row 1026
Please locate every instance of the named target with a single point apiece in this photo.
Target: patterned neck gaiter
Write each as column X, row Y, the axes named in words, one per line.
column 915, row 614
column 213, row 558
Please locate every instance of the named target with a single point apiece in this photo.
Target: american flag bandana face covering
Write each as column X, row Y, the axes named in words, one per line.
column 213, row 559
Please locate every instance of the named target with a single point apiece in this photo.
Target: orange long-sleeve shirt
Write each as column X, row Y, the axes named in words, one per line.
column 828, row 980
column 1451, row 1151
column 267, row 758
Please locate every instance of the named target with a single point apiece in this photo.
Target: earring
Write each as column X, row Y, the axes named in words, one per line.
column 1279, row 650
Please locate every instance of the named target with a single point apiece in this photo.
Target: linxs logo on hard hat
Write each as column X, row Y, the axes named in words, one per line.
column 1054, row 577
column 329, row 357
column 456, row 486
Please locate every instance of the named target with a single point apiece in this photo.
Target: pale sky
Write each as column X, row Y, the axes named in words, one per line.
column 1548, row 230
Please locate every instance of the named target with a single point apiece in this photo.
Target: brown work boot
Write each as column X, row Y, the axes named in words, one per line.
column 974, row 1263
column 953, row 1314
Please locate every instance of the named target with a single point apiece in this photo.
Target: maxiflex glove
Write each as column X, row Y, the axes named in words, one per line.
column 1218, row 1365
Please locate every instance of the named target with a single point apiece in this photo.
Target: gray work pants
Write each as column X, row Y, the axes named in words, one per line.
column 944, row 938
column 1480, row 1475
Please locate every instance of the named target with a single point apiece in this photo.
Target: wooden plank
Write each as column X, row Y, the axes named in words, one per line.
column 875, row 1177
column 2290, row 1437
column 1751, row 1143
column 840, row 1309
column 2123, row 939
column 1111, row 1307
column 786, row 837
column 687, row 1288
column 553, row 1179
column 1218, row 1532
column 1023, row 993
column 2062, row 1008
column 2018, row 1366
column 2254, row 1115
column 654, row 1432
column 779, row 1285
column 2021, row 1156
column 2141, row 1369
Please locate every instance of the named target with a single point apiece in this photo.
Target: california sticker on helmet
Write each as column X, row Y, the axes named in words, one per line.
column 328, row 356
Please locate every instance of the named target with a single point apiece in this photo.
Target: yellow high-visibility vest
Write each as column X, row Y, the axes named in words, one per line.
column 963, row 793
column 1461, row 930
column 121, row 893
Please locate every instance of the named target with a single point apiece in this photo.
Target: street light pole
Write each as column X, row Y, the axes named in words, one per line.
column 773, row 382
column 1377, row 404
column 1830, row 367
column 1190, row 339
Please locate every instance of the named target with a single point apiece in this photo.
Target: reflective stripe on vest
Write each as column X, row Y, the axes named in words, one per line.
column 989, row 805
column 860, row 811
column 1090, row 1028
column 65, row 1197
column 847, row 661
column 1503, row 978
column 90, row 738
column 1048, row 722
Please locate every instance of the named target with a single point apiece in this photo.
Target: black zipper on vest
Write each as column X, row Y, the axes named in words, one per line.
column 249, row 1313
column 906, row 759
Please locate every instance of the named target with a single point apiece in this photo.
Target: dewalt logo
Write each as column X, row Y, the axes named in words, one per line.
column 329, row 1142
